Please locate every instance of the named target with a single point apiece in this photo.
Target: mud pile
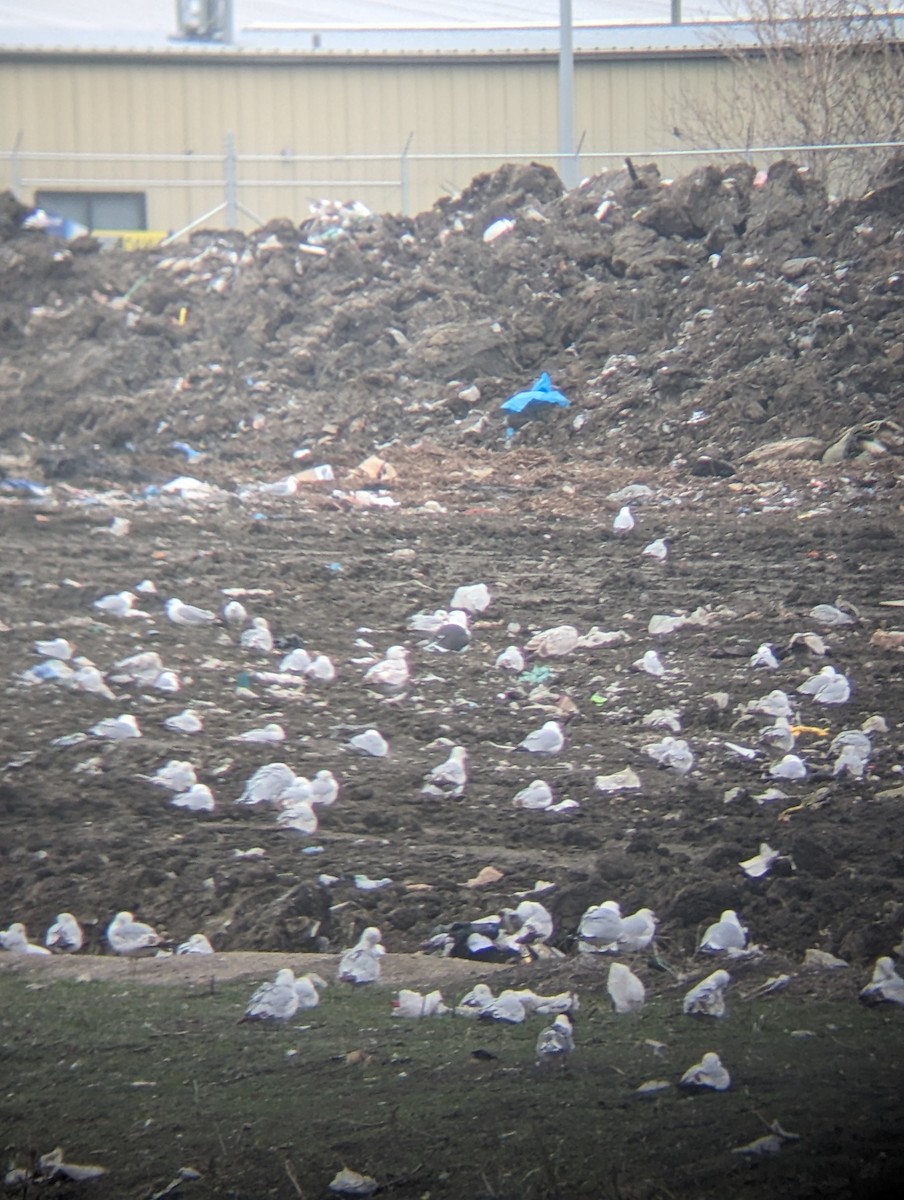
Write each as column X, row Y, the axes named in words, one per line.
column 690, row 320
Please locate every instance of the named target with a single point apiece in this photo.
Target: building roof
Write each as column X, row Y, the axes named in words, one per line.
column 355, row 26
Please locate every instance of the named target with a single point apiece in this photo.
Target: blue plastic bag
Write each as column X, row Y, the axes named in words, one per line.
column 542, row 393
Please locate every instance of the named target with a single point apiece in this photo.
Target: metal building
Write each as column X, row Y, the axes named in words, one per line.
column 158, row 123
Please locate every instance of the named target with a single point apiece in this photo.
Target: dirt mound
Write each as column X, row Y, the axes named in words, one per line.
column 699, row 318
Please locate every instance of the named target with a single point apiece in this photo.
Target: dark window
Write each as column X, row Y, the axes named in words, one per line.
column 97, row 210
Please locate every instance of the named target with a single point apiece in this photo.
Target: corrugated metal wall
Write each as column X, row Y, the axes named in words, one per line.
column 485, row 111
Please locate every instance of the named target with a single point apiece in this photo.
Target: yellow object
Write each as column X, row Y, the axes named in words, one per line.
column 183, row 314
column 814, row 729
column 130, row 239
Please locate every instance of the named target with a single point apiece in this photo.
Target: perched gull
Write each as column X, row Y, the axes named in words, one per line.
column 707, row 998
column 196, row 944
column 188, row 614
column 885, row 987
column 89, row 679
column 637, row 930
column 271, row 732
column 133, row 938
column 407, row 1003
column 600, row 928
column 321, row 668
column 300, row 817
column 176, row 775
column 474, row 1001
column 186, row 721
column 450, row 777
column 555, row 1043
column 472, row 597
column 624, row 520
column 390, row 674
column 511, row 659
column 119, row 604
column 828, row 687
column 506, row 1009
column 267, row 784
column 764, row 657
column 65, row 935
column 725, row 934
column 370, row 742
column 297, row 660
column 306, row 990
column 549, row 739
column 361, row 964
column 453, row 635
column 708, row 1074
column 650, row 664
column 324, row 788
column 258, row 638
column 657, row 550
column 626, row 991
column 15, row 940
column 117, row 729
column 537, row 795
column 197, row 798
column 235, row 613
column 791, row 767
column 760, row 864
column 55, row 648
column 274, row 1002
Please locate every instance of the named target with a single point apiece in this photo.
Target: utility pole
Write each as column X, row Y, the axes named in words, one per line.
column 568, row 167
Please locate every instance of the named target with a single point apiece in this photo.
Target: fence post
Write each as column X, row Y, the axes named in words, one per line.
column 230, row 183
column 405, row 177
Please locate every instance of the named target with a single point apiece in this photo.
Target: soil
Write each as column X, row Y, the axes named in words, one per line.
column 734, row 343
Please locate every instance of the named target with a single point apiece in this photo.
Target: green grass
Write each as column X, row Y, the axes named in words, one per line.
column 147, row 1079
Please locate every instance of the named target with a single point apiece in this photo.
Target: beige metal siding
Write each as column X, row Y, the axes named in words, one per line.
column 486, row 111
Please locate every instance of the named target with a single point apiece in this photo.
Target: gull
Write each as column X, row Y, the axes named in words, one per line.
column 830, row 616
column 177, row 775
column 851, row 760
column 637, row 930
column 672, row 753
column 424, row 622
column 88, row 679
column 623, row 780
column 450, row 777
column 235, row 613
column 706, row 1074
column 272, row 732
column 529, row 922
column 186, row 721
column 764, row 656
column 188, row 614
column 725, row 934
column 364, row 883
column 324, row 788
column 707, row 998
column 663, row 718
column 886, row 985
column 555, row 1043
column 15, row 940
column 657, row 550
column 775, row 704
column 789, row 767
column 474, row 1001
column 548, row 1006
column 141, row 668
column 117, row 729
column 296, row 660
column 454, row 634
column 473, row 598
column 267, row 783
column 407, row 1003
column 600, row 928
column 119, row 604
column 555, row 642
column 306, row 989
column 300, row 817
column 197, row 798
column 624, row 520
column 258, row 638
column 370, row 742
column 511, row 659
column 55, row 648
column 549, row 739
column 537, row 795
column 760, row 864
column 626, row 991
column 506, row 1009
column 651, row 664
column 274, row 1002
column 828, row 687
column 132, row 938
column 780, row 735
column 65, row 935
column 361, row 964
column 321, row 668
column 196, row 944
column 390, row 674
